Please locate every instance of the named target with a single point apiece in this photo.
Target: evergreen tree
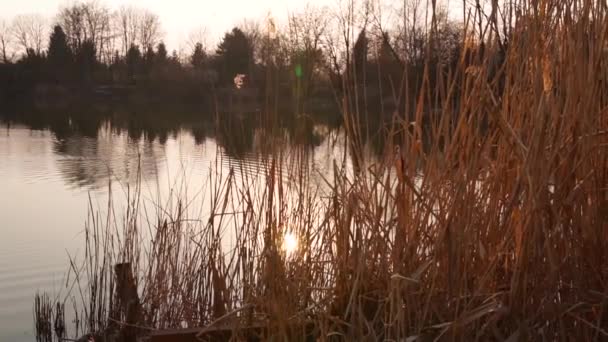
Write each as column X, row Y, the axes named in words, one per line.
column 59, row 55
column 149, row 60
column 161, row 54
column 360, row 53
column 33, row 64
column 133, row 60
column 387, row 70
column 174, row 59
column 198, row 56
column 86, row 58
column 234, row 55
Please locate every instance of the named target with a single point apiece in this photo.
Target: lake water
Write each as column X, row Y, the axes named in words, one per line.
column 49, row 171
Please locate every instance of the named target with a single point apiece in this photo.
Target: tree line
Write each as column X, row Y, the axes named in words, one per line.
column 316, row 54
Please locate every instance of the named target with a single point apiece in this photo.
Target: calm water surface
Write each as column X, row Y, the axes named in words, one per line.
column 47, row 177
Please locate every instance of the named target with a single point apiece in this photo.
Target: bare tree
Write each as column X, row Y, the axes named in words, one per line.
column 136, row 26
column 149, row 28
column 126, row 26
column 87, row 22
column 306, row 28
column 305, row 38
column 349, row 18
column 97, row 19
column 269, row 45
column 5, row 42
column 198, row 36
column 253, row 31
column 30, row 32
column 71, row 19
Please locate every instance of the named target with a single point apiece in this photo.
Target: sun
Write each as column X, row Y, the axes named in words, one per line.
column 290, row 242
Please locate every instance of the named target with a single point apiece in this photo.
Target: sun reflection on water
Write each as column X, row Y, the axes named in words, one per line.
column 290, row 242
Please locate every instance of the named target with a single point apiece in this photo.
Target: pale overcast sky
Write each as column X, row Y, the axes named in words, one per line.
column 181, row 17
column 178, row 17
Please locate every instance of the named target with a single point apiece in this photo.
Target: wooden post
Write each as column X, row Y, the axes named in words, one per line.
column 128, row 301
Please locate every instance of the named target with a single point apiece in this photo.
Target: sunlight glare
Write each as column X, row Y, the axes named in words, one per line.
column 290, row 242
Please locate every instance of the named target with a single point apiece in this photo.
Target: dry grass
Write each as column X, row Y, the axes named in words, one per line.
column 497, row 230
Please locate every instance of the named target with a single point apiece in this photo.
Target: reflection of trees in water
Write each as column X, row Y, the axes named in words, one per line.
column 61, row 129
column 61, row 124
column 239, row 135
column 200, row 132
column 234, row 132
column 304, row 131
column 235, row 135
column 135, row 131
column 87, row 161
column 86, row 126
column 93, row 147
